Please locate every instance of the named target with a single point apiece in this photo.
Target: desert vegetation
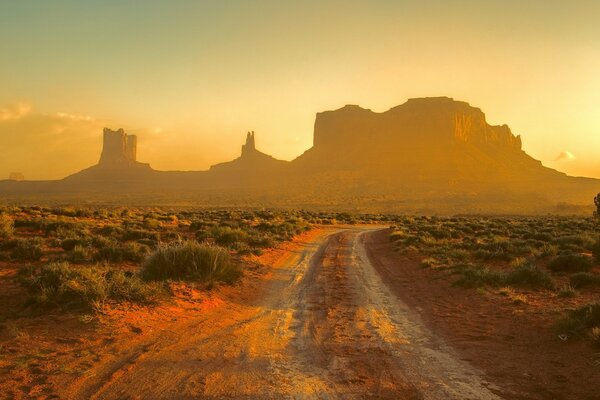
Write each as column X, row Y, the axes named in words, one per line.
column 554, row 260
column 85, row 258
column 78, row 258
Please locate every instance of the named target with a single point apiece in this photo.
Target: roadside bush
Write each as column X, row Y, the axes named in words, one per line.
column 596, row 250
column 475, row 277
column 529, row 275
column 70, row 243
column 523, row 275
column 79, row 254
column 571, row 263
column 117, row 253
column 60, row 284
column 27, row 249
column 226, row 236
column 578, row 321
column 582, row 279
column 191, row 260
column 7, row 226
column 136, row 234
column 567, row 291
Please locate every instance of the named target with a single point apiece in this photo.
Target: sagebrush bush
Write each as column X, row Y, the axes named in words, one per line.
column 583, row 279
column 117, row 253
column 524, row 275
column 79, row 254
column 27, row 249
column 70, row 243
column 63, row 285
column 474, row 277
column 226, row 236
column 529, row 275
column 571, row 263
column 579, row 320
column 7, row 226
column 191, row 260
column 596, row 250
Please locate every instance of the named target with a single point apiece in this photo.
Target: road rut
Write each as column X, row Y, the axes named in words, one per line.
column 326, row 327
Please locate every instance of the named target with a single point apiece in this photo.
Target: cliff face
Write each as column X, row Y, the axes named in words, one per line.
column 429, row 137
column 436, row 122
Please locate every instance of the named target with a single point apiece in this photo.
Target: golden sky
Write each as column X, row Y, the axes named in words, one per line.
column 191, row 77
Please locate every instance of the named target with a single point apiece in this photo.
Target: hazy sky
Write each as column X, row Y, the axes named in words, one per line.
column 191, row 77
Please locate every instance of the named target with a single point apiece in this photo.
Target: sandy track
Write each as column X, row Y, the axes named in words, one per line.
column 324, row 326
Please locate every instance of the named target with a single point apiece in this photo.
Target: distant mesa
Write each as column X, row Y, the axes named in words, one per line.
column 16, row 176
column 431, row 154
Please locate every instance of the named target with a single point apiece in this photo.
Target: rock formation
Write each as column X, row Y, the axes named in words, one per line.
column 427, row 138
column 16, row 176
column 426, row 155
column 119, row 149
column 251, row 161
column 250, row 146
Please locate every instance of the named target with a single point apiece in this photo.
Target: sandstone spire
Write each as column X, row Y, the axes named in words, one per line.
column 119, row 149
column 250, row 145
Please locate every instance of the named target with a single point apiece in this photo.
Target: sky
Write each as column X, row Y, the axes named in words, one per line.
column 190, row 78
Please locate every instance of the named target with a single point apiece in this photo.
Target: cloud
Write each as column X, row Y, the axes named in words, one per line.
column 565, row 156
column 14, row 111
column 46, row 146
column 53, row 146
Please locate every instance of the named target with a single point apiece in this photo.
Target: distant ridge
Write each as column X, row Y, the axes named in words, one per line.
column 428, row 155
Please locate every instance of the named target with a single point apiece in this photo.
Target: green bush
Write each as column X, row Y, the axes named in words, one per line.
column 529, row 275
column 27, row 249
column 191, row 260
column 596, row 250
column 582, row 279
column 475, row 277
column 65, row 286
column 79, row 255
column 579, row 320
column 226, row 236
column 523, row 275
column 117, row 253
column 136, row 234
column 571, row 263
column 7, row 226
column 70, row 243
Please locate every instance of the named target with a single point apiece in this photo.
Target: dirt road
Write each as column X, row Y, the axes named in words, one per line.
column 323, row 325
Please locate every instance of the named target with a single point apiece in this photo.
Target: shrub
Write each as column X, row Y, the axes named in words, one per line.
column 474, row 277
column 567, row 291
column 7, row 226
column 70, row 243
column 529, row 275
column 116, row 253
column 226, row 236
column 191, row 260
column 79, row 254
column 260, row 241
column 582, row 279
column 62, row 285
column 136, row 234
column 571, row 263
column 27, row 249
column 579, row 320
column 596, row 250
